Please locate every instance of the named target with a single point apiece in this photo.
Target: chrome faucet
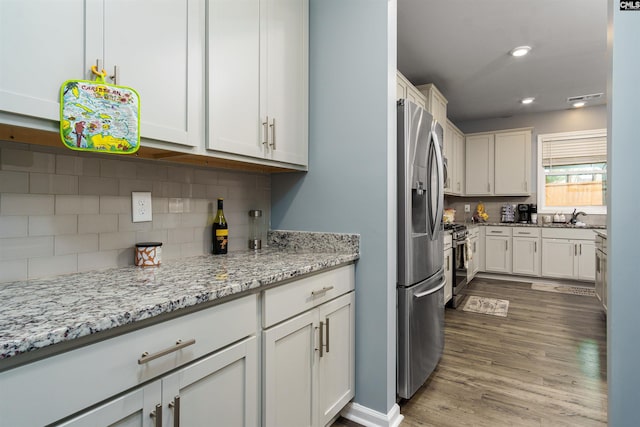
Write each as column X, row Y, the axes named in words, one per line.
column 574, row 216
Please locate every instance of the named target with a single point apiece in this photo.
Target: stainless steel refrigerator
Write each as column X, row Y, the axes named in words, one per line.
column 420, row 247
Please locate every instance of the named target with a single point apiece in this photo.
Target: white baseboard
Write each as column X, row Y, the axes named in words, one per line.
column 370, row 418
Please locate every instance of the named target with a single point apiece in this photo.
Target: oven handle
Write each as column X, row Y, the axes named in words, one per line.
column 430, row 291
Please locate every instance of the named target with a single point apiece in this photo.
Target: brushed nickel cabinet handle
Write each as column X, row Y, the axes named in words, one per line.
column 535, row 246
column 321, row 338
column 321, row 291
column 116, row 75
column 265, row 129
column 575, row 249
column 506, row 245
column 175, row 405
column 447, row 263
column 157, row 416
column 488, row 187
column 273, row 134
column 327, row 332
column 146, row 357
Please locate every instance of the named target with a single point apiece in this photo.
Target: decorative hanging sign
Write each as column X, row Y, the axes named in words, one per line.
column 99, row 117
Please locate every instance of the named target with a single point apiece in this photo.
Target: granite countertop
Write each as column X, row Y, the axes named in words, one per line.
column 550, row 225
column 40, row 313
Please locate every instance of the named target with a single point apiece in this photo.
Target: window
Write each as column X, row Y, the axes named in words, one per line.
column 572, row 172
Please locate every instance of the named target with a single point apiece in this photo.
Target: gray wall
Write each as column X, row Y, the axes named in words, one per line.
column 350, row 185
column 623, row 338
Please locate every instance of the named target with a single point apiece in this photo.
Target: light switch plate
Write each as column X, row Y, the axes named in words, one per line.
column 467, row 208
column 141, row 206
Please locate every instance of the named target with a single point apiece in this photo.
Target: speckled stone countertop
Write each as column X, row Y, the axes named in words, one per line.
column 39, row 313
column 550, row 225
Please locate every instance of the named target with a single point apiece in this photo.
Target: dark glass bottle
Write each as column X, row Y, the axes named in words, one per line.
column 220, row 232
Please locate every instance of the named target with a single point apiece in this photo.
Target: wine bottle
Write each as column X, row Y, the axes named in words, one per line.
column 220, row 232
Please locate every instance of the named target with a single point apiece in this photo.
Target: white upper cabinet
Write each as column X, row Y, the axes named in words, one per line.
column 454, row 149
column 512, row 163
column 257, row 70
column 436, row 103
column 42, row 44
column 498, row 163
column 156, row 47
column 406, row 90
column 479, row 160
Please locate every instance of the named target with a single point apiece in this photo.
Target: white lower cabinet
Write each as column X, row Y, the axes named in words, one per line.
column 221, row 388
column 498, row 249
column 448, row 269
column 308, row 364
column 568, row 254
column 474, row 262
column 526, row 251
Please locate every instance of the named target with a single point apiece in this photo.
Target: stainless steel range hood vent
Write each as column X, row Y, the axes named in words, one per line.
column 584, row 98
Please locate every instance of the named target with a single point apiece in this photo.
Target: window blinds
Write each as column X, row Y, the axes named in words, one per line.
column 571, row 151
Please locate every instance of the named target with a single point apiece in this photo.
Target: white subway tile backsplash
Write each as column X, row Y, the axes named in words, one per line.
column 27, row 161
column 44, row 183
column 25, row 247
column 52, row 225
column 13, row 226
column 52, row 266
column 179, row 235
column 26, row 204
column 62, row 211
column 13, row 270
column 104, row 223
column 77, row 205
column 101, row 186
column 14, row 182
column 77, row 165
column 125, row 223
column 118, row 240
column 127, row 186
column 120, row 169
column 116, row 205
column 75, row 243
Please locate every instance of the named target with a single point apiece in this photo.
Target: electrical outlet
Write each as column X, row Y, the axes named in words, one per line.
column 141, row 206
column 467, row 208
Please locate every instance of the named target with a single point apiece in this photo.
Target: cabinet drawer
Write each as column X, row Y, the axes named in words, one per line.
column 474, row 231
column 526, row 232
column 498, row 231
column 283, row 302
column 447, row 241
column 63, row 384
column 568, row 233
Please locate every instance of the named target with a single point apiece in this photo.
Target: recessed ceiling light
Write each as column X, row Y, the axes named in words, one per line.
column 579, row 104
column 520, row 51
column 527, row 100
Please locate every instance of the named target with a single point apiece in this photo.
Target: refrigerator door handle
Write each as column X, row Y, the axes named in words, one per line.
column 440, row 171
column 430, row 291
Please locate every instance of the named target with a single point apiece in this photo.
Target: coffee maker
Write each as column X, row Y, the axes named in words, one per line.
column 524, row 213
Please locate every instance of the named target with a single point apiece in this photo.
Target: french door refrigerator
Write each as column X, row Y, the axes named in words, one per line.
column 420, row 247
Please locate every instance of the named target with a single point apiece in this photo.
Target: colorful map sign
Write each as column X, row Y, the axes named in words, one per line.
column 99, row 117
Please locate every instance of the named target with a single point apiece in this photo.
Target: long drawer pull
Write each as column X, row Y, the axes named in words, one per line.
column 321, row 291
column 146, row 357
column 496, row 231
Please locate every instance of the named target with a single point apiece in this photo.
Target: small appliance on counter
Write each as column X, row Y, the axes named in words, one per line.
column 508, row 213
column 524, row 213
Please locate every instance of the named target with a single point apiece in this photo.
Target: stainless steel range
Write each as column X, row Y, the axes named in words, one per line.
column 459, row 234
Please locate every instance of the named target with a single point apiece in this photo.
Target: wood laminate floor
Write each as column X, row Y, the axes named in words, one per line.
column 542, row 365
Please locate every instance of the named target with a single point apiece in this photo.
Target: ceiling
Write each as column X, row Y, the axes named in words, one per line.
column 462, row 46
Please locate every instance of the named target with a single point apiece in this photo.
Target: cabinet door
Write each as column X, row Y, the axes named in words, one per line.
column 448, row 276
column 42, row 44
column 586, row 268
column 475, row 247
column 221, row 389
column 336, row 367
column 498, row 254
column 512, row 163
column 479, row 165
column 557, row 258
column 284, row 80
column 526, row 256
column 605, row 298
column 448, row 152
column 289, row 372
column 599, row 285
column 131, row 410
column 233, row 78
column 459, row 163
column 160, row 54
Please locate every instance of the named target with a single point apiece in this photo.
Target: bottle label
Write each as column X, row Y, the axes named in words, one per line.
column 220, row 233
